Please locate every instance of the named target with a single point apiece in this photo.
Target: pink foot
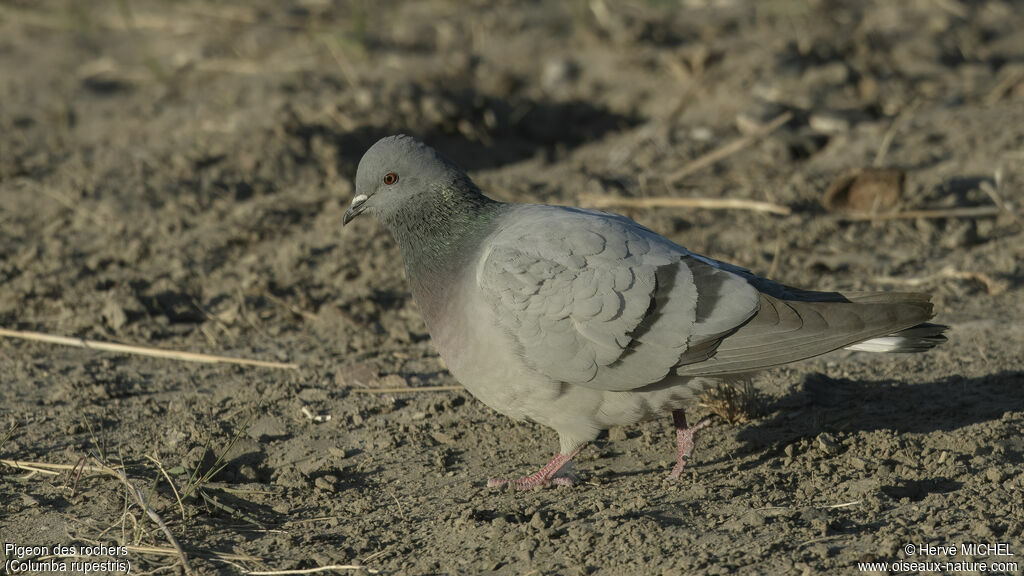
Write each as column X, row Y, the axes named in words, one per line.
column 543, row 478
column 684, row 440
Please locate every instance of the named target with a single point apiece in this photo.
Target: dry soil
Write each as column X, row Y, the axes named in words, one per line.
column 174, row 174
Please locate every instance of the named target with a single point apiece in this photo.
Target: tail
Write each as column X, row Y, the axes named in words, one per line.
column 794, row 325
column 924, row 336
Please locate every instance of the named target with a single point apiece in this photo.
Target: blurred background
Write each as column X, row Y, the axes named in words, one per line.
column 176, row 153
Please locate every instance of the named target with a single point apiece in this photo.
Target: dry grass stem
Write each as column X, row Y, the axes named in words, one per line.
column 167, row 551
column 730, row 148
column 845, row 504
column 669, row 202
column 174, row 488
column 733, row 403
column 212, row 500
column 994, row 193
column 54, row 469
column 375, row 555
column 29, row 467
column 143, row 350
column 8, row 435
column 1010, row 79
column 141, row 499
column 992, row 286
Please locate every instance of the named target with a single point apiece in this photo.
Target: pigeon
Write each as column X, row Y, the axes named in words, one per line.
column 582, row 320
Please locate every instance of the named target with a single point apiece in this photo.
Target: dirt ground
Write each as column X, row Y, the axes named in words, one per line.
column 174, row 174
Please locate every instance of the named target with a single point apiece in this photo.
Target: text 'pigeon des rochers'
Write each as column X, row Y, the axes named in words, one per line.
column 582, row 320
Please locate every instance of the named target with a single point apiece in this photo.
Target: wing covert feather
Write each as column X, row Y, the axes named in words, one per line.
column 597, row 300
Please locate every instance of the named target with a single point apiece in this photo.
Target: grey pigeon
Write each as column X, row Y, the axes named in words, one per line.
column 582, row 320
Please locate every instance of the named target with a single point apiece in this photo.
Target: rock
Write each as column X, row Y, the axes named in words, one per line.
column 866, row 190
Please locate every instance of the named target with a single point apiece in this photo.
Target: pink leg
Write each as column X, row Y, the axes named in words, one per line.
column 543, row 477
column 684, row 440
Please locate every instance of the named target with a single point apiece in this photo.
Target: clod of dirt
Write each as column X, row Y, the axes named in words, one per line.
column 114, row 315
column 827, row 444
column 865, row 190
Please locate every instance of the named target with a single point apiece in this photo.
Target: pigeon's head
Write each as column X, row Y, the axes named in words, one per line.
column 396, row 170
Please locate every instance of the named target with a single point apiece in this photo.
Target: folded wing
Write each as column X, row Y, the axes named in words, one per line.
column 597, row 300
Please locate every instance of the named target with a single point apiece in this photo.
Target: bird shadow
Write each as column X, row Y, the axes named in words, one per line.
column 477, row 130
column 822, row 403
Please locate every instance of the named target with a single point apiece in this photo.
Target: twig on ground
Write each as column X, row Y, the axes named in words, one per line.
column 141, row 499
column 401, row 511
column 994, row 192
column 8, row 435
column 992, row 286
column 53, row 469
column 669, row 202
column 844, row 504
column 212, row 500
column 375, row 555
column 408, row 389
column 1010, row 79
column 162, row 551
column 819, row 539
column 78, row 476
column 332, row 567
column 730, row 148
column 143, row 350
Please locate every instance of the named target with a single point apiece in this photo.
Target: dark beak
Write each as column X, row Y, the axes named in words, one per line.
column 357, row 207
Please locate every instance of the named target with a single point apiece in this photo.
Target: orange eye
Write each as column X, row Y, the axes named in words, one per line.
column 390, row 178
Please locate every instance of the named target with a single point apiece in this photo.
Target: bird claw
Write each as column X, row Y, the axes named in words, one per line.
column 556, row 473
column 673, row 476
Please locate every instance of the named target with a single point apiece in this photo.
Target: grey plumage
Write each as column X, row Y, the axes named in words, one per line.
column 582, row 320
